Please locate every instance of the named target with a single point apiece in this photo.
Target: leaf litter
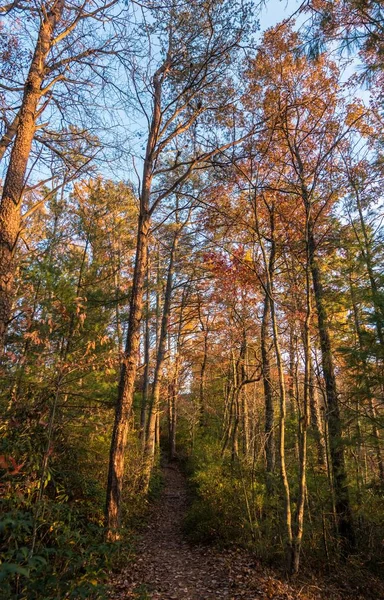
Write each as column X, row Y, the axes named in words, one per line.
column 168, row 567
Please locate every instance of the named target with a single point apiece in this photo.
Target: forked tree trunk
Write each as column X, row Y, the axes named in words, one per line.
column 10, row 208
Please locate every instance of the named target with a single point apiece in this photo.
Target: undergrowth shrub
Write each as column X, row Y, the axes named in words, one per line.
column 224, row 507
column 54, row 548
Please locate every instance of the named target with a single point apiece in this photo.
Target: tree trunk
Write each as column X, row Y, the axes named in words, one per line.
column 270, row 451
column 316, row 418
column 153, row 409
column 304, row 421
column 336, row 445
column 129, row 363
column 172, row 414
column 126, row 385
column 367, row 384
column 280, row 371
column 367, row 255
column 10, row 208
column 203, row 369
column 145, row 394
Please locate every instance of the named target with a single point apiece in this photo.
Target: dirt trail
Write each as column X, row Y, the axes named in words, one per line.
column 167, row 567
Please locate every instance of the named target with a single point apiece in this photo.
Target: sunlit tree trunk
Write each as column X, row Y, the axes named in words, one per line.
column 304, row 420
column 153, row 408
column 10, row 207
column 127, row 383
column 129, row 363
column 203, row 367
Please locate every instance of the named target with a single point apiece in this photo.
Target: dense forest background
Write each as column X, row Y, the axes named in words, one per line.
column 191, row 264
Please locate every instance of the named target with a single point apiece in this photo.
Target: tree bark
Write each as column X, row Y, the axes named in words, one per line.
column 129, row 364
column 304, row 421
column 10, row 208
column 367, row 384
column 145, row 391
column 126, row 385
column 316, row 422
column 336, row 445
column 153, row 409
column 270, row 449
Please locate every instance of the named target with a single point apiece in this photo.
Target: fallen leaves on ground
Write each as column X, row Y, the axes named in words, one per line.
column 167, row 567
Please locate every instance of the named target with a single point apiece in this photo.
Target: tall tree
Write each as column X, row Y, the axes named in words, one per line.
column 190, row 91
column 56, row 52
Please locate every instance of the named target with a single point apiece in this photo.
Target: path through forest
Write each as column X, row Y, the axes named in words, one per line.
column 167, row 567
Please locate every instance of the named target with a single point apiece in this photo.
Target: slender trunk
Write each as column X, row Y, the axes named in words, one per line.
column 158, row 298
column 202, row 379
column 366, row 383
column 172, row 415
column 126, row 386
column 283, row 414
column 336, row 445
column 228, row 416
column 153, row 408
column 117, row 302
column 304, row 421
column 145, row 394
column 292, row 373
column 293, row 387
column 10, row 208
column 245, row 422
column 280, row 371
column 239, row 378
column 367, row 255
column 242, row 400
column 270, row 448
column 235, row 428
column 316, row 418
column 175, row 382
column 129, row 362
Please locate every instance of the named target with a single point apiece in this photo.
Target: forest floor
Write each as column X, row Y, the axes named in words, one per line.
column 168, row 567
